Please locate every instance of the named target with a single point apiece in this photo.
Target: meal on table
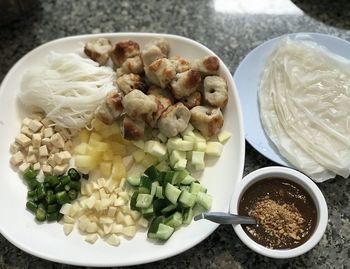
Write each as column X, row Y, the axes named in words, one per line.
column 113, row 138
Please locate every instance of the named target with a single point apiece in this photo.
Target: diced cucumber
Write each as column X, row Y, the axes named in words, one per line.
column 197, row 158
column 172, row 193
column 148, row 212
column 154, row 186
column 184, row 187
column 144, row 200
column 197, row 187
column 168, row 210
column 164, row 232
column 188, row 180
column 153, row 228
column 188, row 130
column 173, row 142
column 204, row 200
column 155, row 148
column 133, row 200
column 176, row 156
column 181, row 164
column 145, row 185
column 174, row 220
column 152, row 173
column 200, row 146
column 163, row 166
column 133, row 180
column 159, row 205
column 188, row 216
column 181, row 175
column 224, row 136
column 139, row 143
column 214, row 149
column 198, row 209
column 187, row 199
column 159, row 192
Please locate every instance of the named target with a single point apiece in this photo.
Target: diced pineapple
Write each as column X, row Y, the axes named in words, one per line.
column 108, row 155
column 118, row 148
column 98, row 145
column 105, row 169
column 81, row 148
column 138, row 155
column 118, row 170
column 98, row 125
column 139, row 143
column 110, row 130
column 129, row 231
column 84, row 136
column 85, row 162
column 68, row 228
column 128, row 161
column 91, row 238
column 95, row 136
column 149, row 160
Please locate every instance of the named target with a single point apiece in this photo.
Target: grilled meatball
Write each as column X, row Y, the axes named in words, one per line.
column 161, row 72
column 174, row 120
column 185, row 83
column 209, row 65
column 130, row 82
column 154, row 51
column 215, row 91
column 182, row 64
column 111, row 109
column 124, row 50
column 98, row 50
column 132, row 129
column 193, row 100
column 131, row 65
column 207, row 120
column 163, row 101
column 138, row 105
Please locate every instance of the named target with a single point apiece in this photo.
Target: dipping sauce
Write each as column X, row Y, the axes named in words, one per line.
column 286, row 214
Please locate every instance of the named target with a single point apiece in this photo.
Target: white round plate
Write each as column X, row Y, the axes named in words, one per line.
column 247, row 79
column 48, row 240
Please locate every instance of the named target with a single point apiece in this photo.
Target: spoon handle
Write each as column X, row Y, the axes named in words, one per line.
column 225, row 218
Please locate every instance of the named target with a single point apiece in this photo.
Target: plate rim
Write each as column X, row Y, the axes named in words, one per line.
column 278, row 159
column 241, row 136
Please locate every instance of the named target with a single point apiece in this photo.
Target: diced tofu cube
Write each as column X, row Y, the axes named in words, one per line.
column 32, row 158
column 32, row 150
column 24, row 167
column 46, row 122
column 46, row 141
column 17, row 158
column 62, row 157
column 47, row 169
column 53, row 150
column 43, row 152
column 26, row 121
column 35, row 125
column 48, row 132
column 214, row 149
column 57, row 141
column 60, row 169
column 43, row 160
column 23, row 140
column 68, row 145
column 25, row 130
column 51, row 160
column 224, row 136
column 36, row 166
column 36, row 141
column 14, row 147
column 68, row 219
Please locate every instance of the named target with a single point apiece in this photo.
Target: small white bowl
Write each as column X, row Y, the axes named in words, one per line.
column 303, row 181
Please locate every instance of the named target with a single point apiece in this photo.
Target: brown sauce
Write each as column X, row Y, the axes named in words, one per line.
column 286, row 214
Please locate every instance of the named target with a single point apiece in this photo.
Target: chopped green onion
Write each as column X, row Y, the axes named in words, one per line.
column 62, row 197
column 74, row 174
column 40, row 214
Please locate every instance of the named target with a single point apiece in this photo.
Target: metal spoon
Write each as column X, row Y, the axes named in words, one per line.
column 225, row 218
